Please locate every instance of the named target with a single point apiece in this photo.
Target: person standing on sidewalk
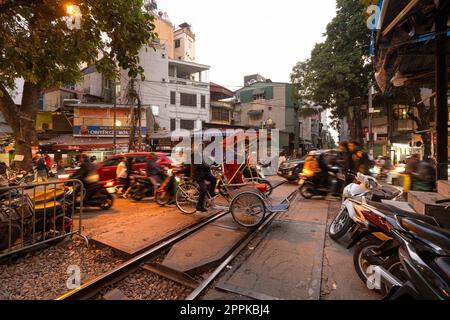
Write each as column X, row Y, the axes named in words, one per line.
column 41, row 169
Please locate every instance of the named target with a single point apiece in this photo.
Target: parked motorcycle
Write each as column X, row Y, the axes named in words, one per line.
column 24, row 219
column 413, row 263
column 372, row 235
column 310, row 187
column 354, row 195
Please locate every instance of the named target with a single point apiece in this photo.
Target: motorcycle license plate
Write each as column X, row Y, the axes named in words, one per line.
column 111, row 190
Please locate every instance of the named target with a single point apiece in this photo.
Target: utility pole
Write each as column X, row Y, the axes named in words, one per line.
column 441, row 82
column 371, row 112
column 132, row 96
column 115, row 116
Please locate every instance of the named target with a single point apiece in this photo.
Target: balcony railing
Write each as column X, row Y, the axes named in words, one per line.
column 187, row 82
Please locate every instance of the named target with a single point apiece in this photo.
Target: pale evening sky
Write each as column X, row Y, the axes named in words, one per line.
column 241, row 37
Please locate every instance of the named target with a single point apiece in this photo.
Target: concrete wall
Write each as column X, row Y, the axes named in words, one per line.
column 92, row 84
column 274, row 107
column 52, row 100
column 186, row 51
column 197, row 114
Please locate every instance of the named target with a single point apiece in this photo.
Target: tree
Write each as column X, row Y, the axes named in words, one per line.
column 339, row 69
column 38, row 45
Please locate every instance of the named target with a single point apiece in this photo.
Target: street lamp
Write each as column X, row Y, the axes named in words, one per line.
column 74, row 16
column 70, row 9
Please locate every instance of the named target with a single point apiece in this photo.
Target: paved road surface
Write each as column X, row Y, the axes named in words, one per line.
column 295, row 260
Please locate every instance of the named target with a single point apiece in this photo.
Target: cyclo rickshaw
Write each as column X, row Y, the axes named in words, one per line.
column 246, row 191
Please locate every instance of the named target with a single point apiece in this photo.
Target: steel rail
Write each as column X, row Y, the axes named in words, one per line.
column 204, row 284
column 91, row 288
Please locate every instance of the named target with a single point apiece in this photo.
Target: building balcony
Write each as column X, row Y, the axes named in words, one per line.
column 188, row 82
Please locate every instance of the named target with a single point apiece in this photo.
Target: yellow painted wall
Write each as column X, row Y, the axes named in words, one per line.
column 164, row 29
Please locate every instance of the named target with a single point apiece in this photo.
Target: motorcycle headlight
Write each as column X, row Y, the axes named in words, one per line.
column 109, row 184
column 178, row 179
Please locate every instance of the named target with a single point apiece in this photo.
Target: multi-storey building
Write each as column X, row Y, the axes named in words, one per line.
column 267, row 104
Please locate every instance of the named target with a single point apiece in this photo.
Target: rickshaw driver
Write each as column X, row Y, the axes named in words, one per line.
column 201, row 174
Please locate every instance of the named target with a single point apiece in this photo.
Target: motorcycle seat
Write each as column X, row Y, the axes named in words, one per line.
column 442, row 266
column 392, row 210
column 41, row 207
column 435, row 235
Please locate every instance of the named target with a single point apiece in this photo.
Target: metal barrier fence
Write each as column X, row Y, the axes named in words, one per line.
column 36, row 214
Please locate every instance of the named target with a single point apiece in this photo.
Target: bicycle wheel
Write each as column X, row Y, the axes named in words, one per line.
column 186, row 198
column 248, row 209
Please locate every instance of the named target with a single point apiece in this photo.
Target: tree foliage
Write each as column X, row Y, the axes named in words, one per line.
column 38, row 45
column 339, row 69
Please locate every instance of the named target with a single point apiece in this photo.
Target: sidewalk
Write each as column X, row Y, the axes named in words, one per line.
column 296, row 260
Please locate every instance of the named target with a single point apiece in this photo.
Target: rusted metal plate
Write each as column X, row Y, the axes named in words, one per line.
column 206, row 248
column 174, row 275
column 136, row 236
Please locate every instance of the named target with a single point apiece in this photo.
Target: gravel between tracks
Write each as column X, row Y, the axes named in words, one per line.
column 145, row 285
column 42, row 275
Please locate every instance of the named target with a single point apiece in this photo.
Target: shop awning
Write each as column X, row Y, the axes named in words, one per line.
column 69, row 142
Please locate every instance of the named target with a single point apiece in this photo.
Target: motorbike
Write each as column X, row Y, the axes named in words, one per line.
column 309, row 187
column 372, row 235
column 141, row 187
column 356, row 194
column 25, row 219
column 414, row 263
column 19, row 178
column 167, row 189
column 101, row 196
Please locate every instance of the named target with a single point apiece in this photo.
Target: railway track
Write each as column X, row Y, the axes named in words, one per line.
column 92, row 288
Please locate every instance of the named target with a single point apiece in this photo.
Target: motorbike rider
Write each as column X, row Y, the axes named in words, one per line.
column 153, row 171
column 86, row 174
column 360, row 159
column 345, row 161
column 201, row 171
column 311, row 168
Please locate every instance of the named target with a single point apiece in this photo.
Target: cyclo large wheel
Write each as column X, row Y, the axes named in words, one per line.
column 248, row 209
column 186, row 197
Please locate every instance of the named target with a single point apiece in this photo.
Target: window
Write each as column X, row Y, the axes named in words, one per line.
column 259, row 97
column 177, row 43
column 256, row 117
column 219, row 114
column 203, row 102
column 173, row 98
column 187, row 124
column 401, row 112
column 111, row 162
column 140, row 159
column 173, row 124
column 155, row 110
column 188, row 100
